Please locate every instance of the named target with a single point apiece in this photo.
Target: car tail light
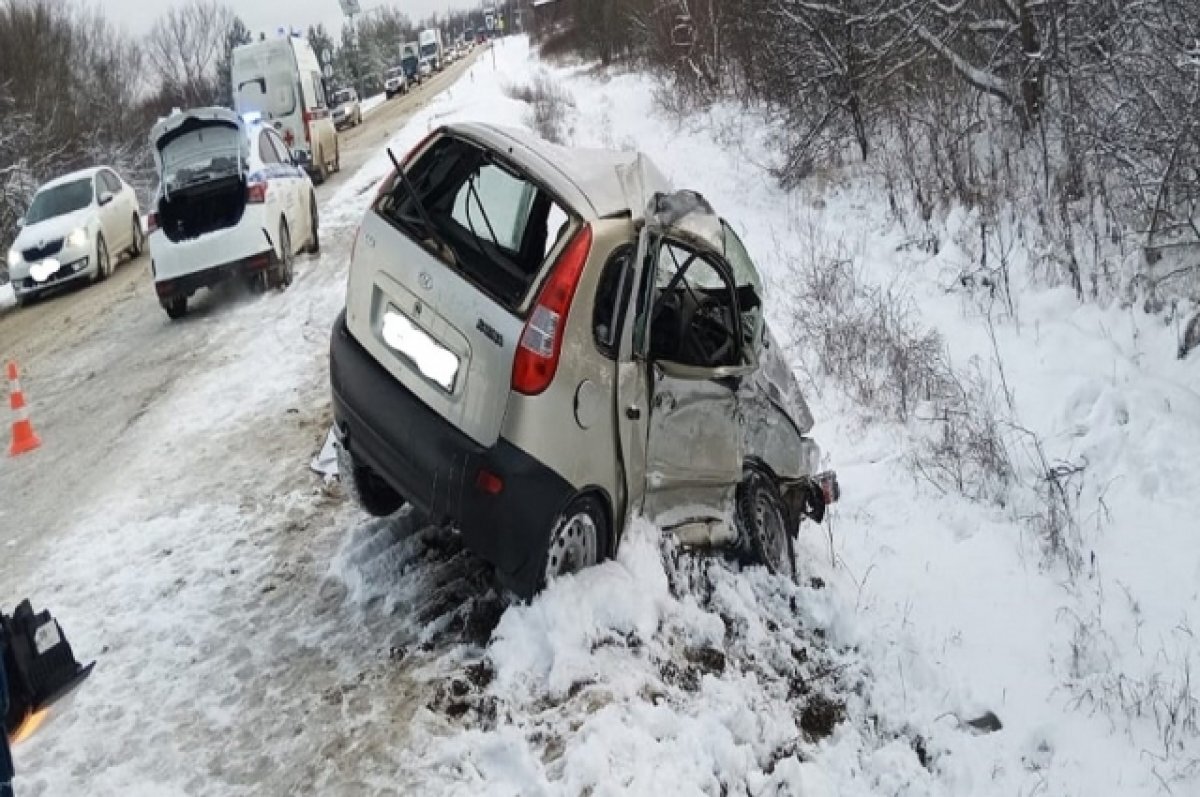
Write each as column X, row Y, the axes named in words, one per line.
column 256, row 192
column 289, row 138
column 541, row 342
column 309, row 116
column 488, row 482
column 152, row 221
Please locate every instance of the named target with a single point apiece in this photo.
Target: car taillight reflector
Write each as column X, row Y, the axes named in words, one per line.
column 256, row 192
column 488, row 482
column 541, row 341
column 151, row 222
column 309, row 116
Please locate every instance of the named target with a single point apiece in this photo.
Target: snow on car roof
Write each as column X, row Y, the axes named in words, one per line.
column 613, row 182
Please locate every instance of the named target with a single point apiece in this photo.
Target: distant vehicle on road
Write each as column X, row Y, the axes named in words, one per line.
column 410, row 59
column 395, row 81
column 539, row 344
column 233, row 202
column 347, row 110
column 76, row 228
column 432, row 48
column 280, row 79
column 425, row 69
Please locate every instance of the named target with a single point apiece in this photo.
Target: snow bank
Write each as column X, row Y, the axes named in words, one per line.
column 371, row 104
column 7, row 297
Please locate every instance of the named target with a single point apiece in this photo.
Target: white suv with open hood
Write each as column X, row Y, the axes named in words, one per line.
column 232, row 202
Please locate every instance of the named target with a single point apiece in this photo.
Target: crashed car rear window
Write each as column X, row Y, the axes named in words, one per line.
column 495, row 220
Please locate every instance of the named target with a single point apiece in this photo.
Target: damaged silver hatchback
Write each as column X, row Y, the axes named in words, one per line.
column 541, row 343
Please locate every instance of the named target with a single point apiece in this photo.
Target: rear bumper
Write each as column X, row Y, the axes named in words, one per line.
column 436, row 467
column 188, row 284
column 180, row 260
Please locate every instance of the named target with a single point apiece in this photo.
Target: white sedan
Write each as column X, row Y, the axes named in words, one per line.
column 75, row 229
column 233, row 202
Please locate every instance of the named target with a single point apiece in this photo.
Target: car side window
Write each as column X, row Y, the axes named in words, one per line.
column 98, row 186
column 612, row 300
column 266, row 150
column 111, row 182
column 693, row 318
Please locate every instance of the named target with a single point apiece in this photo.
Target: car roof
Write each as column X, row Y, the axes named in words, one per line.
column 73, row 176
column 598, row 183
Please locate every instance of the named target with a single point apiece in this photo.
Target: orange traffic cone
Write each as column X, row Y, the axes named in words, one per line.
column 24, row 439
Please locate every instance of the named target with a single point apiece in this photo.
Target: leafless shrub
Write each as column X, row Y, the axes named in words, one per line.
column 549, row 106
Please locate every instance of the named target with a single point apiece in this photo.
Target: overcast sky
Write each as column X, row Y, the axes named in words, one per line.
column 268, row 15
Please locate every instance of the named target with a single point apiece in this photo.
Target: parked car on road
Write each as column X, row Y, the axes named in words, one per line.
column 76, row 228
column 425, row 69
column 233, row 202
column 539, row 343
column 395, row 81
column 280, row 79
column 347, row 110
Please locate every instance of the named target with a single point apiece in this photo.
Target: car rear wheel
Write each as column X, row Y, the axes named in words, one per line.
column 761, row 516
column 314, row 242
column 176, row 307
column 321, row 173
column 365, row 487
column 578, row 539
column 139, row 239
column 281, row 275
column 103, row 262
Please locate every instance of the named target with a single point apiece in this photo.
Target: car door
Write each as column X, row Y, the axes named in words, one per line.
column 106, row 209
column 124, row 207
column 299, row 218
column 278, row 189
column 683, row 376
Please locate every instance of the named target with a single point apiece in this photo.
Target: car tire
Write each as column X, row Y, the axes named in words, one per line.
column 139, row 239
column 281, row 274
column 103, row 260
column 314, row 242
column 762, row 524
column 370, row 492
column 578, row 539
column 321, row 173
column 176, row 307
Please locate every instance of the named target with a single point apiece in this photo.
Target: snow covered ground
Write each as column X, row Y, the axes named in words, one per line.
column 7, row 299
column 371, row 103
column 257, row 635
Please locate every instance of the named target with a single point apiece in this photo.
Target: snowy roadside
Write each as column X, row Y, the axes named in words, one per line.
column 7, row 298
column 953, row 606
column 371, row 104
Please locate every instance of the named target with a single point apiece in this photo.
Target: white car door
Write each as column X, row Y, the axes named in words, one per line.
column 105, row 212
column 295, row 180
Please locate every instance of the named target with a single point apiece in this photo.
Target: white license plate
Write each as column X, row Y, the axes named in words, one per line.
column 433, row 360
column 44, row 270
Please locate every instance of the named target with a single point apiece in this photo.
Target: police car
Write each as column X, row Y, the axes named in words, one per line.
column 232, row 203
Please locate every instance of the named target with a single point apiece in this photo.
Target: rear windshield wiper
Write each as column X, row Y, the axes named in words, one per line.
column 420, row 206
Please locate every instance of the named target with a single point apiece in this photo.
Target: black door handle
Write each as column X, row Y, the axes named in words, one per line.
column 633, row 413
